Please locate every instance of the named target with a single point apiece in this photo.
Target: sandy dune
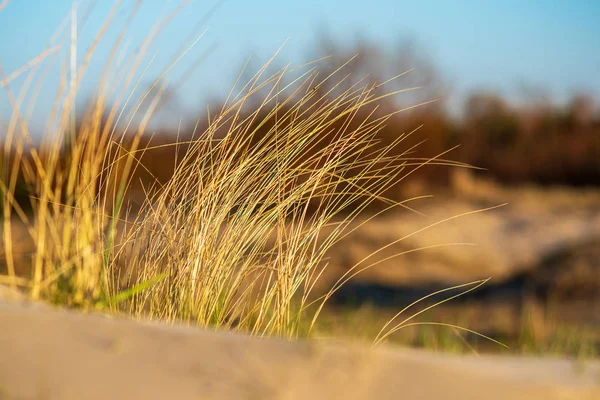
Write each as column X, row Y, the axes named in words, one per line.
column 534, row 225
column 54, row 354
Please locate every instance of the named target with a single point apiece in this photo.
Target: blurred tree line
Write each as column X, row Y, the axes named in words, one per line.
column 533, row 142
column 539, row 142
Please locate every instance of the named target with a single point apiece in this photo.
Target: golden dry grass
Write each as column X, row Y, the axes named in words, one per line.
column 237, row 237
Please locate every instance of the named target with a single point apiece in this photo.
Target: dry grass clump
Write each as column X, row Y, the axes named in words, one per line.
column 237, row 233
column 235, row 238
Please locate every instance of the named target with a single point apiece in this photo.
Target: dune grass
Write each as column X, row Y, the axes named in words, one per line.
column 238, row 236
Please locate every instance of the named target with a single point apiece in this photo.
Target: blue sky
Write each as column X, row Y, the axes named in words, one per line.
column 496, row 45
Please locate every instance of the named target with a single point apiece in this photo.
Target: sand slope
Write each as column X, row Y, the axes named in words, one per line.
column 54, row 354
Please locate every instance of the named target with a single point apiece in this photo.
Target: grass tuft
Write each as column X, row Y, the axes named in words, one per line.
column 237, row 236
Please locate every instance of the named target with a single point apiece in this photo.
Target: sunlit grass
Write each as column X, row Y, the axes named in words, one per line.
column 237, row 237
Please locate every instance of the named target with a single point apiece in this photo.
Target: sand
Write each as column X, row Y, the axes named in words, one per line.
column 47, row 353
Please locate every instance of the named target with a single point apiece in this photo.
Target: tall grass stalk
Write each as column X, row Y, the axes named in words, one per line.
column 238, row 236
